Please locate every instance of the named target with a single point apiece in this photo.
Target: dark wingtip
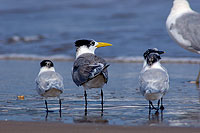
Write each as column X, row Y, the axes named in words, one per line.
column 106, row 66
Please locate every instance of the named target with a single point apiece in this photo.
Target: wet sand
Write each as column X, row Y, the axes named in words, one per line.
column 39, row 127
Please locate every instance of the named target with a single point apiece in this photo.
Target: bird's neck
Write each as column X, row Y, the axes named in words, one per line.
column 180, row 7
column 155, row 65
column 83, row 50
column 45, row 69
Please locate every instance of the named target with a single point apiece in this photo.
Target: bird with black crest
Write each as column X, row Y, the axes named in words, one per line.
column 49, row 83
column 153, row 78
column 89, row 70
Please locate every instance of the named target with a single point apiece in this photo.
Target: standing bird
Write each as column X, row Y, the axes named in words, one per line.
column 153, row 79
column 89, row 70
column 183, row 25
column 48, row 82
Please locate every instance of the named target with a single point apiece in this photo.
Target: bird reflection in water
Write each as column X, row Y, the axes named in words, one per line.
column 50, row 111
column 47, row 113
column 156, row 117
column 91, row 119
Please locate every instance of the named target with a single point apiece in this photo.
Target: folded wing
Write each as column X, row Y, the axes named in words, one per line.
column 49, row 80
column 154, row 81
column 87, row 67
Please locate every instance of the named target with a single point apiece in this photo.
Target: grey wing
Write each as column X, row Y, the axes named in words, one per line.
column 155, row 80
column 188, row 26
column 48, row 80
column 87, row 67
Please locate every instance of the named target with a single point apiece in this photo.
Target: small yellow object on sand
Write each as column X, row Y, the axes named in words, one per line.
column 20, row 97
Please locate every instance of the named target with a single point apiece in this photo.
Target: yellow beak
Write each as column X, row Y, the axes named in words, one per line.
column 103, row 44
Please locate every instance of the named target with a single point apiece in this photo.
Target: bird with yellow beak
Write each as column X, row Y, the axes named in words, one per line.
column 89, row 70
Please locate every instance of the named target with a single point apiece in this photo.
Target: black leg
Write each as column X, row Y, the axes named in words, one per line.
column 152, row 105
column 149, row 109
column 85, row 111
column 46, row 106
column 101, row 96
column 60, row 111
column 162, row 107
column 85, row 94
column 101, row 102
column 46, row 116
column 60, row 103
column 158, row 104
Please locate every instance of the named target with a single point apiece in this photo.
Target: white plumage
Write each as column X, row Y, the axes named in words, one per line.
column 153, row 78
column 183, row 26
column 48, row 82
column 154, row 82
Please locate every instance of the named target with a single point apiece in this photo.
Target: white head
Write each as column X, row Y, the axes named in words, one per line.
column 88, row 46
column 181, row 6
column 46, row 65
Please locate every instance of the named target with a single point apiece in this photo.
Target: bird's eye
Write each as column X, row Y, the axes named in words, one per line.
column 48, row 64
column 93, row 43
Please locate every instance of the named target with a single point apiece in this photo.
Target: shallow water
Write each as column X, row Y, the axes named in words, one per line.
column 50, row 27
column 38, row 29
column 123, row 104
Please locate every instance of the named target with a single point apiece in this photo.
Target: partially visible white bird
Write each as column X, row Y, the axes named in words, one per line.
column 89, row 70
column 183, row 25
column 48, row 82
column 153, row 78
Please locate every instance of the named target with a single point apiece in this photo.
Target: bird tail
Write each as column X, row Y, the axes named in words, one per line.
column 55, row 86
column 99, row 71
column 106, row 66
column 54, row 89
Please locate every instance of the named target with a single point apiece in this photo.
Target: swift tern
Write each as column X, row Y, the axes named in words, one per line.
column 89, row 70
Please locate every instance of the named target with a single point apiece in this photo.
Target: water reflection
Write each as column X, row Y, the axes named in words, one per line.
column 86, row 102
column 86, row 111
column 156, row 117
column 52, row 111
column 123, row 105
column 47, row 113
column 91, row 118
